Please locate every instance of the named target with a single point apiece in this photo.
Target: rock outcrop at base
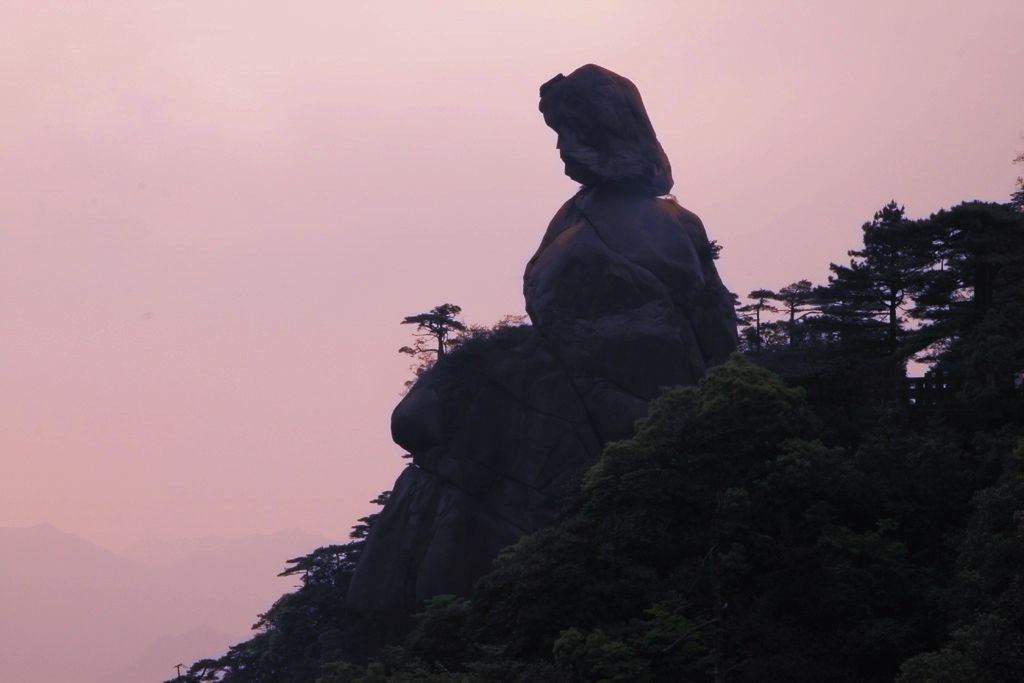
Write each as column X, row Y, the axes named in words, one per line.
column 500, row 433
column 624, row 299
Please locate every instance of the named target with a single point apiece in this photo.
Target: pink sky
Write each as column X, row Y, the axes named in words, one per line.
column 213, row 215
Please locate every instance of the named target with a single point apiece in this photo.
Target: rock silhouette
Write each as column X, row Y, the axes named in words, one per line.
column 604, row 135
column 624, row 299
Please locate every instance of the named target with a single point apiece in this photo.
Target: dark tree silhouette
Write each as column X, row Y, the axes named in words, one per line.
column 864, row 304
column 1017, row 198
column 437, row 324
column 759, row 303
column 894, row 257
column 978, row 278
column 798, row 301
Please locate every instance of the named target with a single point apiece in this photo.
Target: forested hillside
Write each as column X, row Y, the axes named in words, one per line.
column 806, row 512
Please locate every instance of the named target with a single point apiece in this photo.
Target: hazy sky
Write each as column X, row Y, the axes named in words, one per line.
column 213, row 215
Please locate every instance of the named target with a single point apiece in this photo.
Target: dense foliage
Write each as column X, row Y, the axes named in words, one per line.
column 731, row 540
column 917, row 289
column 804, row 513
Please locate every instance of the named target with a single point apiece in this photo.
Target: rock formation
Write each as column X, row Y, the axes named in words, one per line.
column 624, row 299
column 623, row 285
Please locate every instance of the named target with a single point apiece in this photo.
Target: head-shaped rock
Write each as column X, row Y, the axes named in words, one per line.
column 604, row 135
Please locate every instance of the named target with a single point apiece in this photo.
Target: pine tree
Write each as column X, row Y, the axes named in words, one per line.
column 978, row 273
column 798, row 300
column 865, row 302
column 760, row 299
column 1017, row 198
column 438, row 324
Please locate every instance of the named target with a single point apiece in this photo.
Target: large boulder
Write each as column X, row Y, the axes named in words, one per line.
column 604, row 135
column 624, row 299
column 624, row 289
column 497, row 433
column 624, row 285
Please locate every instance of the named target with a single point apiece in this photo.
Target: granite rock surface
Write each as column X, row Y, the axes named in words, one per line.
column 624, row 299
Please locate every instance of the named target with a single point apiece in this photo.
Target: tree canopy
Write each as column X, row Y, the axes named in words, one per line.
column 438, row 325
column 789, row 518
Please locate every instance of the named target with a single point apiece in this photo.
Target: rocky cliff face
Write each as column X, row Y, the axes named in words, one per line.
column 624, row 299
column 625, row 291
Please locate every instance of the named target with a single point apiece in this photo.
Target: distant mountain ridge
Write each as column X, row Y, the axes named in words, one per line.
column 152, row 605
